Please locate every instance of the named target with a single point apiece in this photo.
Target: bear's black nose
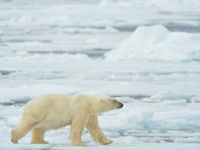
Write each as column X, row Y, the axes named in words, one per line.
column 120, row 105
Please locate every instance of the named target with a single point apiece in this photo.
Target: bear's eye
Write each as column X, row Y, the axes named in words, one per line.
column 114, row 101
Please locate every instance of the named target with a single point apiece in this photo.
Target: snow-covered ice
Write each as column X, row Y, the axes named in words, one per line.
column 156, row 43
column 146, row 54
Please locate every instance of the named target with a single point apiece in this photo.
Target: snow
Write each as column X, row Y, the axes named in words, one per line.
column 156, row 43
column 127, row 147
column 162, row 5
column 144, row 54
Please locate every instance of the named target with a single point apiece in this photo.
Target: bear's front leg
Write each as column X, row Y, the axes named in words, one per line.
column 77, row 127
column 96, row 132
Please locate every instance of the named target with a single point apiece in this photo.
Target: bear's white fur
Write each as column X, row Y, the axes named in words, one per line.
column 54, row 111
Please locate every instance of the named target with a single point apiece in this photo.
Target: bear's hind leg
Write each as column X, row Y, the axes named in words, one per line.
column 96, row 132
column 22, row 129
column 38, row 136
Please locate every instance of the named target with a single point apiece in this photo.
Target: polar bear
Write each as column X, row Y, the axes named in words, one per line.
column 54, row 111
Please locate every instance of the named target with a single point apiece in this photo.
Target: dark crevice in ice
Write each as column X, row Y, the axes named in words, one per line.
column 92, row 53
column 17, row 101
column 6, row 72
column 182, row 28
column 125, row 28
column 23, row 40
column 137, row 96
column 173, row 27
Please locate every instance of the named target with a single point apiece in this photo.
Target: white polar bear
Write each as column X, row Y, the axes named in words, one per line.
column 54, row 111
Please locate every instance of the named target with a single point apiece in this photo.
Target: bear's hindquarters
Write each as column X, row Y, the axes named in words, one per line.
column 22, row 129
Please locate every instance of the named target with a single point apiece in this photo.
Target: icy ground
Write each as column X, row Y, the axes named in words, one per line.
column 146, row 54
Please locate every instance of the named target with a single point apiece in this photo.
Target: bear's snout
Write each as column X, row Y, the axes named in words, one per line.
column 120, row 105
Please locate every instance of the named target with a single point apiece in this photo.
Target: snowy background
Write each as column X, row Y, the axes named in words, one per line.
column 146, row 53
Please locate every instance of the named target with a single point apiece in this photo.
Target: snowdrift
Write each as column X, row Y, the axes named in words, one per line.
column 156, row 43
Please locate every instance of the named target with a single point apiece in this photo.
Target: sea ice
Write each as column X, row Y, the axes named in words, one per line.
column 145, row 54
column 156, row 43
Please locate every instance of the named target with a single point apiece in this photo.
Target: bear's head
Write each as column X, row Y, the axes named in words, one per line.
column 107, row 104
